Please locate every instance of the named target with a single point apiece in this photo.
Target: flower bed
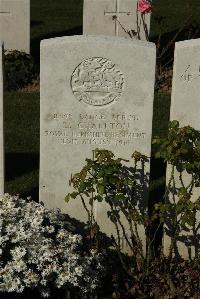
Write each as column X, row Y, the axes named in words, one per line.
column 38, row 251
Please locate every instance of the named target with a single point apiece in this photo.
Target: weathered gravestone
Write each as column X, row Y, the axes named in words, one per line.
column 1, row 124
column 96, row 92
column 15, row 24
column 185, row 107
column 115, row 18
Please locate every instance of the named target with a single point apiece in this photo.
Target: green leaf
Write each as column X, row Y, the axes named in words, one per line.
column 98, row 197
column 68, row 197
column 74, row 195
column 100, row 189
column 174, row 124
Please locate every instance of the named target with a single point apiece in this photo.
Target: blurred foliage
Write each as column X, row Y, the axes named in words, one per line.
column 19, row 70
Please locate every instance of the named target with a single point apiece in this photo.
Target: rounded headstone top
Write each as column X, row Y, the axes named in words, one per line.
column 94, row 38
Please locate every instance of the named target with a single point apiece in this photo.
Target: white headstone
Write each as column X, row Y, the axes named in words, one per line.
column 96, row 92
column 1, row 124
column 185, row 107
column 114, row 17
column 15, row 24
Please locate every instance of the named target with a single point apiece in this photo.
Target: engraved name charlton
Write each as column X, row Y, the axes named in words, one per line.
column 97, row 82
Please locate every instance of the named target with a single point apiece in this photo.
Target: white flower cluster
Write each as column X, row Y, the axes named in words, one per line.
column 37, row 250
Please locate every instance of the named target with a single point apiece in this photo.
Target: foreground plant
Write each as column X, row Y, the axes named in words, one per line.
column 106, row 179
column 180, row 209
column 19, row 69
column 38, row 251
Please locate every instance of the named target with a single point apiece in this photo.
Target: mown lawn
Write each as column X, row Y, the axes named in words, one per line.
column 22, row 138
column 175, row 14
column 50, row 18
column 22, row 142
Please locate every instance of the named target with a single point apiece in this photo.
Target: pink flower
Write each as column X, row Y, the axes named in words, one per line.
column 144, row 6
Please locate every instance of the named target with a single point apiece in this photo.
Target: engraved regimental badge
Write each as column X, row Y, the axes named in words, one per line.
column 97, row 82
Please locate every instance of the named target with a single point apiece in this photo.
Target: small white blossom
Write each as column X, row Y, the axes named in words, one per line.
column 42, row 251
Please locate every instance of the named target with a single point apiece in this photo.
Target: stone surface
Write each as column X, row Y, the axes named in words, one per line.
column 1, row 126
column 15, row 24
column 185, row 105
column 109, row 17
column 96, row 92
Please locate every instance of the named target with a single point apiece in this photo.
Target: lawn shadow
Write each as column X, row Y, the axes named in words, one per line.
column 18, row 165
column 35, row 42
column 34, row 293
column 187, row 236
column 156, row 195
column 33, row 193
column 36, row 23
column 168, row 40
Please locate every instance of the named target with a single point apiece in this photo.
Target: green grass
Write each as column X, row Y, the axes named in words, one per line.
column 22, row 139
column 50, row 18
column 22, row 122
column 22, row 142
column 175, row 12
column 161, row 114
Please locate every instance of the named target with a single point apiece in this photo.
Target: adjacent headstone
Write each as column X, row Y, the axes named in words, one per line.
column 96, row 92
column 185, row 107
column 1, row 124
column 15, row 24
column 115, row 18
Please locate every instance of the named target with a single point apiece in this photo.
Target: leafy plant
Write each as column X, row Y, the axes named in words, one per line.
column 19, row 69
column 181, row 150
column 109, row 180
column 38, row 251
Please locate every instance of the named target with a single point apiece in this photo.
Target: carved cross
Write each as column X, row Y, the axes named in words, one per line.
column 116, row 15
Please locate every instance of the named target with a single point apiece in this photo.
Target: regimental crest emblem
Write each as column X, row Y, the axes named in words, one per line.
column 97, row 82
